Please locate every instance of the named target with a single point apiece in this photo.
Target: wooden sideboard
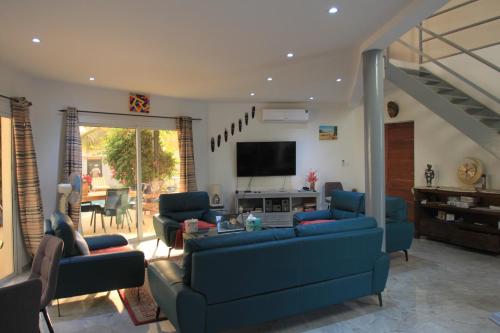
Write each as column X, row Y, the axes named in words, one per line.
column 476, row 227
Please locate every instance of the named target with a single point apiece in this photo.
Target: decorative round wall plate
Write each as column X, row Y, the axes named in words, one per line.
column 470, row 171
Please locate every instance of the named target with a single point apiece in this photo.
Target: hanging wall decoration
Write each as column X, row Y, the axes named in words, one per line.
column 212, row 144
column 225, row 135
column 218, row 140
column 139, row 103
column 392, row 109
column 240, row 124
column 232, row 129
column 246, row 118
column 253, row 112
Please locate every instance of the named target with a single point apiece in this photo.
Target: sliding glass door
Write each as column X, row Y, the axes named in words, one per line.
column 124, row 172
column 6, row 227
column 159, row 171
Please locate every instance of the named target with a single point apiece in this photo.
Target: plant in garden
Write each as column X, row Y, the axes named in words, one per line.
column 119, row 151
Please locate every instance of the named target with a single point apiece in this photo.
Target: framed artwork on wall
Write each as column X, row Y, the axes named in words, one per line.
column 139, row 103
column 327, row 132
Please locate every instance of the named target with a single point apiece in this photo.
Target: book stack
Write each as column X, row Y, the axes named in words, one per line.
column 462, row 201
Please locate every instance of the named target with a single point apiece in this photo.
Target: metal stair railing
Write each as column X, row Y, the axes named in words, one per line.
column 462, row 50
column 449, row 70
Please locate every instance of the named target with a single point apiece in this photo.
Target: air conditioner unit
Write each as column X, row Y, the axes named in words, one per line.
column 285, row 115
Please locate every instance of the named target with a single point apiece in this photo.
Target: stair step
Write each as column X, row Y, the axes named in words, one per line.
column 418, row 72
column 482, row 113
column 492, row 123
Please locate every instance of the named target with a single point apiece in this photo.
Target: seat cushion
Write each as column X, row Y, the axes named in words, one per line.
column 229, row 240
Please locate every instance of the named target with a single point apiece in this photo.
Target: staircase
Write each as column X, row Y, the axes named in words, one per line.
column 475, row 120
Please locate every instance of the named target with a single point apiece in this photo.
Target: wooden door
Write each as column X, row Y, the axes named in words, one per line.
column 399, row 162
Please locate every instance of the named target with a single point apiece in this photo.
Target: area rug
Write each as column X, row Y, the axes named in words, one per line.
column 142, row 307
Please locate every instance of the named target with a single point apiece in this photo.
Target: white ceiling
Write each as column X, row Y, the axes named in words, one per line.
column 200, row 49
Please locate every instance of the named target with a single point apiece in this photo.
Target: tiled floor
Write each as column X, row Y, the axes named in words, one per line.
column 441, row 289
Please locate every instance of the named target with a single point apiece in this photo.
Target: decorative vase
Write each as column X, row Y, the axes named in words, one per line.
column 312, row 186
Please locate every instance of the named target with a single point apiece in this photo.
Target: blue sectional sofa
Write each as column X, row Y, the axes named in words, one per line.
column 235, row 280
column 344, row 204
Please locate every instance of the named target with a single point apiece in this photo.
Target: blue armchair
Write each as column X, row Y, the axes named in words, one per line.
column 344, row 205
column 399, row 231
column 88, row 274
column 175, row 208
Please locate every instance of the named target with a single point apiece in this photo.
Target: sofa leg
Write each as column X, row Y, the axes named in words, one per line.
column 406, row 254
column 58, row 308
column 47, row 320
column 379, row 299
column 157, row 313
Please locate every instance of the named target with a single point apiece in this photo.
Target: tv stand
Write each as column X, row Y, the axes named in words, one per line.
column 276, row 208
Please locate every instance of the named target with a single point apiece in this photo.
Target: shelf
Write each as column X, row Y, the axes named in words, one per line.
column 474, row 210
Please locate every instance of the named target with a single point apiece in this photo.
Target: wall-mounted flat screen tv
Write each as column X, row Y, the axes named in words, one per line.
column 257, row 159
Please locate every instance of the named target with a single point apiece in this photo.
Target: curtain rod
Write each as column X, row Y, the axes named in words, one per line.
column 128, row 115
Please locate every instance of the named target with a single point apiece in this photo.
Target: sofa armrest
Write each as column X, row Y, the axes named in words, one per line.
column 312, row 216
column 176, row 300
column 82, row 275
column 211, row 216
column 105, row 241
column 380, row 273
column 165, row 229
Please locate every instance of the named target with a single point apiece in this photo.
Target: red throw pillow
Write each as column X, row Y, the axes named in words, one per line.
column 316, row 222
column 115, row 249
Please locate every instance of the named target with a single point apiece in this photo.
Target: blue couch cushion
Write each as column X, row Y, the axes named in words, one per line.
column 229, row 240
column 183, row 202
column 335, row 227
column 182, row 216
column 395, row 209
column 344, row 200
column 63, row 229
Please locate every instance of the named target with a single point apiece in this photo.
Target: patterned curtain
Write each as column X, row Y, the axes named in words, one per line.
column 184, row 127
column 72, row 157
column 29, row 200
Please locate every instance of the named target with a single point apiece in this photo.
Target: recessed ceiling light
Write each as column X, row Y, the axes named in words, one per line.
column 311, row 98
column 269, row 79
column 290, row 55
column 36, row 40
column 252, row 94
column 92, row 78
column 339, row 79
column 333, row 10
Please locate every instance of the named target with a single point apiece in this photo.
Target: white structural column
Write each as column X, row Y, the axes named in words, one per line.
column 373, row 97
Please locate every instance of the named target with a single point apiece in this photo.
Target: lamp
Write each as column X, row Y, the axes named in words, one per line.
column 215, row 194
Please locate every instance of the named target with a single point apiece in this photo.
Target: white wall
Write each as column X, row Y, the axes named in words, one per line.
column 324, row 156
